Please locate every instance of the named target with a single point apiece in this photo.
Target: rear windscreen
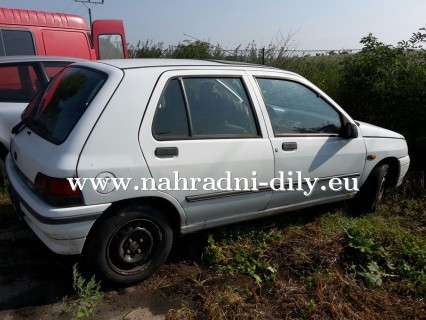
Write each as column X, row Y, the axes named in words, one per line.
column 56, row 111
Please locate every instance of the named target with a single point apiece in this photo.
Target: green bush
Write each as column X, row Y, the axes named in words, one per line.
column 382, row 84
column 385, row 85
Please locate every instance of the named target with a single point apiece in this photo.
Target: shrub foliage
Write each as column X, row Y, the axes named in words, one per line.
column 385, row 85
column 382, row 84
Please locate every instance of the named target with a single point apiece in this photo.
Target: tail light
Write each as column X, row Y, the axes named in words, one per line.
column 57, row 191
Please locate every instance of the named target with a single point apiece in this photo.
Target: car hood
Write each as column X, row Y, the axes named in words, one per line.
column 369, row 130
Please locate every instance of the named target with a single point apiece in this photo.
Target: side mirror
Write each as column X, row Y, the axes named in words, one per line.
column 351, row 131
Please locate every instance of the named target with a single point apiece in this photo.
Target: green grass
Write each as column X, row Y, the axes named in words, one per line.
column 7, row 212
column 311, row 264
column 244, row 251
column 388, row 246
column 3, row 192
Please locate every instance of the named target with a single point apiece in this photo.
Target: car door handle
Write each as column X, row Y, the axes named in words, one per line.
column 166, row 152
column 289, row 146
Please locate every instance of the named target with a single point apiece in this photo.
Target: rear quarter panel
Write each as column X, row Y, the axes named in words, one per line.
column 113, row 145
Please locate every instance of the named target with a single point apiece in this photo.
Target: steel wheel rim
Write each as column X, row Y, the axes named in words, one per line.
column 381, row 193
column 133, row 246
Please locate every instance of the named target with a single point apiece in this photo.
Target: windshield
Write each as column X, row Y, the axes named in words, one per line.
column 55, row 111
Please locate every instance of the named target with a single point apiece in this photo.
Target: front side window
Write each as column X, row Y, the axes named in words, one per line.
column 64, row 101
column 16, row 42
column 295, row 109
column 205, row 108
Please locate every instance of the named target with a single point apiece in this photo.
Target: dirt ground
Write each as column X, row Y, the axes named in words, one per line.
column 33, row 282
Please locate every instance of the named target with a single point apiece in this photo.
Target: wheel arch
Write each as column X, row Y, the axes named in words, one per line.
column 170, row 211
column 110, row 261
column 394, row 169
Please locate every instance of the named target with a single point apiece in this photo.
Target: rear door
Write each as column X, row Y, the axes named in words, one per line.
column 109, row 39
column 205, row 127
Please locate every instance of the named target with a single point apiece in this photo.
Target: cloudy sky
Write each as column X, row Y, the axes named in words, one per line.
column 326, row 24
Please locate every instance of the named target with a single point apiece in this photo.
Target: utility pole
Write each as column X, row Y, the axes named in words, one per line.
column 94, row 2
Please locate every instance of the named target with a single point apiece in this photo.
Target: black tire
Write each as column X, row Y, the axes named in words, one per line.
column 2, row 172
column 373, row 191
column 130, row 245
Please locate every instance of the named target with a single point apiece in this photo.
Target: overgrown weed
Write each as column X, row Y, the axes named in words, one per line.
column 88, row 297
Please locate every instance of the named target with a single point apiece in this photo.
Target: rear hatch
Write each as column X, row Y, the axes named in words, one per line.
column 47, row 142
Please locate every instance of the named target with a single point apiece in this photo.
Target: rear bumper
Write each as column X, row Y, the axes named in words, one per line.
column 62, row 230
column 404, row 164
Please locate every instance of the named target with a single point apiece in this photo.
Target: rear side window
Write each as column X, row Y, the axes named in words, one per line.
column 170, row 119
column 64, row 102
column 204, row 108
column 19, row 83
column 16, row 42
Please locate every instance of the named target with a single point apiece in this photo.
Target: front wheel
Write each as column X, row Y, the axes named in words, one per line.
column 130, row 245
column 373, row 191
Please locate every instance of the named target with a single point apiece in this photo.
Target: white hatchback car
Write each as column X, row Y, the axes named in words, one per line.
column 114, row 158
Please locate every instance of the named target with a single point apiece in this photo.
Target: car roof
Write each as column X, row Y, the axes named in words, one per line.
column 18, row 59
column 148, row 62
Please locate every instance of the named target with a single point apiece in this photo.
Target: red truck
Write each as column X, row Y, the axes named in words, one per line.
column 26, row 32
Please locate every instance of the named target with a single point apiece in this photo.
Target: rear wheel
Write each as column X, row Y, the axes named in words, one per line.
column 373, row 191
column 2, row 171
column 130, row 245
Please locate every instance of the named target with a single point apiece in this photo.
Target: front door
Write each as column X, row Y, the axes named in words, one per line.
column 314, row 162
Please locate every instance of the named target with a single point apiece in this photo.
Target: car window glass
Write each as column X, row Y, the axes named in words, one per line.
column 18, row 83
column 52, row 68
column 35, row 82
column 111, row 46
column 16, row 42
column 295, row 109
column 170, row 119
column 219, row 107
column 65, row 101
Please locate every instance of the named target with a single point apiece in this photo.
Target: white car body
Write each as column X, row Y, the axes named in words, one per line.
column 114, row 138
